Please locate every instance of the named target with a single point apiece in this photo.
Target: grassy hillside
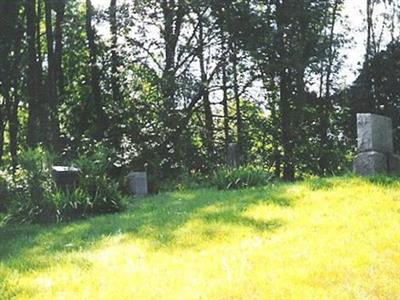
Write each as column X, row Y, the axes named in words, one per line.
column 322, row 239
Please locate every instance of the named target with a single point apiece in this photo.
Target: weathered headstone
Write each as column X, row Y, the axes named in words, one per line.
column 375, row 146
column 374, row 133
column 370, row 163
column 138, row 183
column 66, row 177
column 233, row 155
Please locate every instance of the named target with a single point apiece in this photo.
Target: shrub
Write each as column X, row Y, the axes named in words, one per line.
column 104, row 192
column 36, row 198
column 243, row 177
column 32, row 189
column 5, row 196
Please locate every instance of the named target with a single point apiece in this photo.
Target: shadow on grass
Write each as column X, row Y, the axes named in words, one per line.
column 154, row 219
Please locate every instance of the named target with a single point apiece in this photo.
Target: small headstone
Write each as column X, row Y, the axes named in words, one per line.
column 370, row 163
column 374, row 133
column 138, row 183
column 66, row 177
column 233, row 155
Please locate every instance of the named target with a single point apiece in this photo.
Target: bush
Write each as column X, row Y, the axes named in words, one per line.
column 32, row 189
column 104, row 192
column 36, row 198
column 5, row 196
column 243, row 177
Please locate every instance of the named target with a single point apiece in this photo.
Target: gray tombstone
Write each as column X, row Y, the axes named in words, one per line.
column 370, row 163
column 233, row 155
column 374, row 133
column 66, row 177
column 138, row 183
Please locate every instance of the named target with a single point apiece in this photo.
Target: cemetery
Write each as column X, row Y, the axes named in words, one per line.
column 185, row 149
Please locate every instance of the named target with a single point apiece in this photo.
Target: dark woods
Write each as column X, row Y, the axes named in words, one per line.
column 169, row 84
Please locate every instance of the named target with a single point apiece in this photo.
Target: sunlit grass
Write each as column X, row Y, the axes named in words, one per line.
column 322, row 239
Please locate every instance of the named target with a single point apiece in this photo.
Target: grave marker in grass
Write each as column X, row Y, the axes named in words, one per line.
column 375, row 146
column 138, row 185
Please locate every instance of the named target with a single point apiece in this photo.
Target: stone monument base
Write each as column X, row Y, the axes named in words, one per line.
column 394, row 164
column 370, row 163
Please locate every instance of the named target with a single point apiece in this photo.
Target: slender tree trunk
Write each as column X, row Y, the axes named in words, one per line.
column 52, row 93
column 2, row 127
column 42, row 98
column 325, row 121
column 96, row 97
column 276, row 152
column 209, row 124
column 115, row 87
column 370, row 103
column 225, row 105
column 58, row 52
column 59, row 8
column 33, row 82
column 239, row 120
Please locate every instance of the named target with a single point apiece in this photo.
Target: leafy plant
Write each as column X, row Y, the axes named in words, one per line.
column 104, row 192
column 37, row 199
column 243, row 177
column 5, row 196
column 32, row 189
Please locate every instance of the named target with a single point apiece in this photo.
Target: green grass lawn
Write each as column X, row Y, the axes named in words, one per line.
column 321, row 239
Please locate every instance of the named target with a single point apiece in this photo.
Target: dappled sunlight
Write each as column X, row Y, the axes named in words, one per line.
column 334, row 239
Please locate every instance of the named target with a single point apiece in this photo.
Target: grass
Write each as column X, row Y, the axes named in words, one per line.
column 321, row 239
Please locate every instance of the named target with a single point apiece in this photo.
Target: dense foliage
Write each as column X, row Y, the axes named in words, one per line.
column 32, row 195
column 165, row 86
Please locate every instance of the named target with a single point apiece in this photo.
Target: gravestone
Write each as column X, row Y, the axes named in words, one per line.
column 138, row 183
column 370, row 163
column 233, row 155
column 375, row 146
column 374, row 133
column 66, row 177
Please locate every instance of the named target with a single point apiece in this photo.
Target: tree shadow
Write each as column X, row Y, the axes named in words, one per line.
column 155, row 219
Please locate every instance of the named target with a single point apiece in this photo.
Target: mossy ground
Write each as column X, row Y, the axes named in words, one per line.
column 321, row 239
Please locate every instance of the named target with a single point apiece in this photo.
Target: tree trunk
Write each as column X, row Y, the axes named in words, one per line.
column 286, row 94
column 239, row 121
column 100, row 122
column 33, row 77
column 209, row 124
column 370, row 103
column 52, row 93
column 326, row 106
column 116, row 92
column 225, row 100
column 286, row 126
column 59, row 7
column 173, row 14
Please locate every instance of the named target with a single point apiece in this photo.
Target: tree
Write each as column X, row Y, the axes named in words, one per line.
column 95, row 101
